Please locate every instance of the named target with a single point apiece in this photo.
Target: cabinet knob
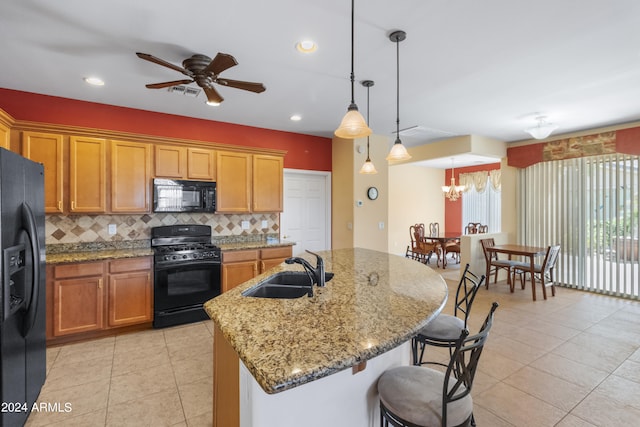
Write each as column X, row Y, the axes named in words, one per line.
column 73, row 205
column 60, row 205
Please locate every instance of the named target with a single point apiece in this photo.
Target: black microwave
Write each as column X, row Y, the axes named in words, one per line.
column 175, row 195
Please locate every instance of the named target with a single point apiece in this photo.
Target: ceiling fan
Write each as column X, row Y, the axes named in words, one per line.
column 204, row 72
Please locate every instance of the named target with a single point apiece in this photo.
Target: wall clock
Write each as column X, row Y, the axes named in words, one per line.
column 372, row 193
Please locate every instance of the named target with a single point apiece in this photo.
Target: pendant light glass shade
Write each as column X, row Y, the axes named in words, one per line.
column 368, row 167
column 353, row 124
column 398, row 151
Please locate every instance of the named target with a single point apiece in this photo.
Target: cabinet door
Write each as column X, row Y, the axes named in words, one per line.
column 46, row 148
column 87, row 174
column 77, row 305
column 5, row 136
column 170, row 161
column 273, row 256
column 238, row 272
column 201, row 164
column 267, row 183
column 234, row 182
column 130, row 177
column 129, row 298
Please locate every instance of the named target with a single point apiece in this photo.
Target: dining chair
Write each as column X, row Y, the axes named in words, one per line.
column 544, row 273
column 420, row 249
column 471, row 228
column 495, row 264
column 483, row 229
column 445, row 328
column 413, row 396
column 434, row 229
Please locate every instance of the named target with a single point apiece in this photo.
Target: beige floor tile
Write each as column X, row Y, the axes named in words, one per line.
column 81, row 352
column 484, row 417
column 560, row 393
column 573, row 421
column 141, row 340
column 204, row 420
column 186, row 348
column 135, row 360
column 621, row 389
column 635, row 356
column 552, row 329
column 482, row 382
column 518, row 407
column 537, row 339
column 96, row 418
column 157, row 409
column 497, row 365
column 52, row 354
column 630, row 370
column 64, row 375
column 514, row 350
column 582, row 375
column 137, row 384
column 593, row 350
column 197, row 397
column 601, row 410
column 193, row 369
column 192, row 331
column 83, row 399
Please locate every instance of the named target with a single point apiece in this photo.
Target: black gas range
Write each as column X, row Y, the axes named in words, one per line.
column 187, row 273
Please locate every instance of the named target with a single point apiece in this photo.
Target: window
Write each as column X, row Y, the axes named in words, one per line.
column 481, row 201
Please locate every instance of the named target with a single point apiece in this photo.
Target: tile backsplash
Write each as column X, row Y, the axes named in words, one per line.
column 95, row 228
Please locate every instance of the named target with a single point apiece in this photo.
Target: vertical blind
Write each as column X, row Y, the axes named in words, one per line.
column 589, row 206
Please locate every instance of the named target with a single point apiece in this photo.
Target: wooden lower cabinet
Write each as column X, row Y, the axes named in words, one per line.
column 97, row 296
column 243, row 265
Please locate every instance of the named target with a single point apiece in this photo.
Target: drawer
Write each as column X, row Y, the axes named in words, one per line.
column 237, row 256
column 129, row 264
column 78, row 270
column 271, row 253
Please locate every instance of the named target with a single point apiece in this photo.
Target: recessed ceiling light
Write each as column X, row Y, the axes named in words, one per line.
column 212, row 104
column 95, row 81
column 306, row 46
column 296, row 117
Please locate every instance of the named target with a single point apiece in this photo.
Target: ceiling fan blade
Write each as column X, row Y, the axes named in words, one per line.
column 164, row 63
column 238, row 84
column 221, row 62
column 168, row 84
column 212, row 94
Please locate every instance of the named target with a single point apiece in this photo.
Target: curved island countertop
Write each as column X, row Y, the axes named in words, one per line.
column 375, row 302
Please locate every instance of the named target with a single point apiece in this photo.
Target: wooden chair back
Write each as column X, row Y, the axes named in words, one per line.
column 471, row 228
column 483, row 229
column 488, row 243
column 434, row 229
column 416, row 232
column 550, row 259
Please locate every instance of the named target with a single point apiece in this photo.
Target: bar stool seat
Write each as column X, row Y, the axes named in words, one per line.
column 403, row 392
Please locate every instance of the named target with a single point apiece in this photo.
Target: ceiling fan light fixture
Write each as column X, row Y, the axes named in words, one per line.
column 542, row 130
column 94, row 81
column 295, row 118
column 353, row 124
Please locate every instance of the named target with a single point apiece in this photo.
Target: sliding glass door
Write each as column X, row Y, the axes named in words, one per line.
column 589, row 206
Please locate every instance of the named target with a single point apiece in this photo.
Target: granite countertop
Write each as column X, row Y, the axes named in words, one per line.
column 375, row 302
column 96, row 255
column 236, row 246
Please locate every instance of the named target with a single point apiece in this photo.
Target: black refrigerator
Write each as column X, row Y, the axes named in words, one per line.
column 22, row 286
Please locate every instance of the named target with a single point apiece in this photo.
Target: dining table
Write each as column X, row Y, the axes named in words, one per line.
column 520, row 250
column 443, row 239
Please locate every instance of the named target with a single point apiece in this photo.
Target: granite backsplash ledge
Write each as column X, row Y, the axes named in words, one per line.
column 73, row 231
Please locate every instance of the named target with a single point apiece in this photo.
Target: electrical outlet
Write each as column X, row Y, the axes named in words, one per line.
column 112, row 229
column 245, row 225
column 264, row 224
column 381, row 225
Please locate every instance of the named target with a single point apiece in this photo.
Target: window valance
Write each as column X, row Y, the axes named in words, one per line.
column 479, row 180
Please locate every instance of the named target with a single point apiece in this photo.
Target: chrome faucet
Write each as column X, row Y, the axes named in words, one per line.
column 316, row 273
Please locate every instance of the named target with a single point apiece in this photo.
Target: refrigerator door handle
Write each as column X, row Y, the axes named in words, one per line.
column 28, row 219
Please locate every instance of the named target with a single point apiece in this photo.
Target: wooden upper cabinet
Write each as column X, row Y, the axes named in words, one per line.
column 267, row 183
column 5, row 136
column 234, row 182
column 170, row 161
column 46, row 148
column 201, row 164
column 130, row 177
column 87, row 174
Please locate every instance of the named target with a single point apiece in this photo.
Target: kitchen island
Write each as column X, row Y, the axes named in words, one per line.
column 315, row 360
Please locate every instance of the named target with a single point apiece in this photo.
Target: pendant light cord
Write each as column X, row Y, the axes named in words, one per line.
column 397, row 88
column 352, row 48
column 368, row 87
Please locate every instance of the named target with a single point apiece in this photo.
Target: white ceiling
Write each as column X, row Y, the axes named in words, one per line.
column 467, row 66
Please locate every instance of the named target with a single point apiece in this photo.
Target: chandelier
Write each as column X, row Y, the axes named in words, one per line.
column 453, row 191
column 541, row 130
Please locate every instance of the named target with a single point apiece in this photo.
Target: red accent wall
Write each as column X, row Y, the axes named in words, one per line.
column 628, row 141
column 453, row 210
column 303, row 151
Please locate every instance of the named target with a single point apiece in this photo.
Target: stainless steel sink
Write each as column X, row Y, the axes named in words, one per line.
column 286, row 284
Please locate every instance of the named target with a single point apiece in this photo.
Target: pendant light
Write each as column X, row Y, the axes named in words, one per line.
column 543, row 129
column 353, row 125
column 398, row 151
column 452, row 192
column 367, row 166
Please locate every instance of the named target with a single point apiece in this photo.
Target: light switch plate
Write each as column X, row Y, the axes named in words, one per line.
column 112, row 229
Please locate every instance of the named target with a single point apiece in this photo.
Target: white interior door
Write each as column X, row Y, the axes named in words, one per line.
column 306, row 218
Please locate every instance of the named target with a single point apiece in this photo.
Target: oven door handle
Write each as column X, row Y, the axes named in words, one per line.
column 199, row 263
